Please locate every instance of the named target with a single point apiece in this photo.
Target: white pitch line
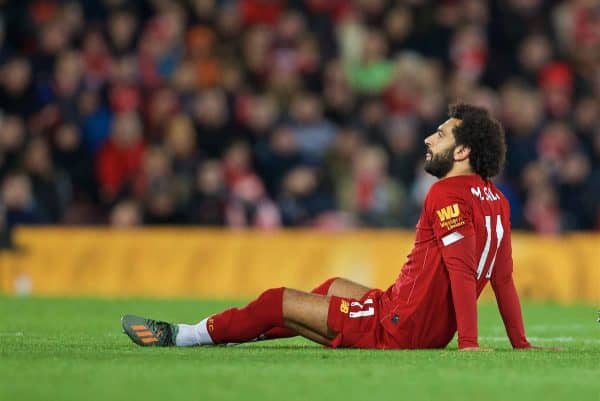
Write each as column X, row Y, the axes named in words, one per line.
column 546, row 339
column 575, row 326
column 482, row 338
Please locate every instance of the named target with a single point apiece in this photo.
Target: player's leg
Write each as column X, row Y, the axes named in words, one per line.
column 345, row 288
column 275, row 307
column 300, row 330
column 307, row 314
column 297, row 310
column 337, row 286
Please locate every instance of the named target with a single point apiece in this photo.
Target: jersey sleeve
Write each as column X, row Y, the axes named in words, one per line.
column 451, row 219
column 506, row 295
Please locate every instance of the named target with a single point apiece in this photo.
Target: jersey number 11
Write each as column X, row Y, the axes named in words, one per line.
column 486, row 249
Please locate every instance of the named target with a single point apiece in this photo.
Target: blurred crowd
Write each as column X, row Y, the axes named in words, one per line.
column 273, row 113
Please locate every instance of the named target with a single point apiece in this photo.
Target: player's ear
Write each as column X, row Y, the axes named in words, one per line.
column 461, row 152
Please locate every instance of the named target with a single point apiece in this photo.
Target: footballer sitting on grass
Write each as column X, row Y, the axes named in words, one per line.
column 462, row 241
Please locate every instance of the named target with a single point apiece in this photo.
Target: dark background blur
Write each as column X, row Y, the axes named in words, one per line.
column 258, row 113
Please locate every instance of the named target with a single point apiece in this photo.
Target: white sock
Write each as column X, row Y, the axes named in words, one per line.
column 193, row 334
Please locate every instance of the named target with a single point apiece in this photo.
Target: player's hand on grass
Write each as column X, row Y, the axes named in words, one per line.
column 476, row 349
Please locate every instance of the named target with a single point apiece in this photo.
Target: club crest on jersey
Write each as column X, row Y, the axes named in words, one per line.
column 450, row 217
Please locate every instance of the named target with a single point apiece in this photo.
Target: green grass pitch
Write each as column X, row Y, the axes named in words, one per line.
column 73, row 349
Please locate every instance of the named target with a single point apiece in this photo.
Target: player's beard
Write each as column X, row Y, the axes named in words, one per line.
column 439, row 165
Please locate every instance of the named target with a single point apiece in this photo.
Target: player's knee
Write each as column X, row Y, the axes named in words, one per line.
column 330, row 281
column 323, row 288
column 272, row 295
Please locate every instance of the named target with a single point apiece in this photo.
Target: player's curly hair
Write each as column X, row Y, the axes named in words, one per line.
column 483, row 135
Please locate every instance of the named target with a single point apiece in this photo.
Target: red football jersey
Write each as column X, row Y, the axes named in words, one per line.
column 462, row 242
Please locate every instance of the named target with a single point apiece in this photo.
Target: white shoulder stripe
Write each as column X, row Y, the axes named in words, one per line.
column 452, row 238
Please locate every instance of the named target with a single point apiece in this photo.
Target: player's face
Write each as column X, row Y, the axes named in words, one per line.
column 439, row 157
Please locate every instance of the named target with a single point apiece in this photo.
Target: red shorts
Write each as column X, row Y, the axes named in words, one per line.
column 357, row 322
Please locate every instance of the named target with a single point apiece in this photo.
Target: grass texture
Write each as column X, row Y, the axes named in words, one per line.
column 73, row 349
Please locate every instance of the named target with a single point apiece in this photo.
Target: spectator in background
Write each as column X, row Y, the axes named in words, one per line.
column 276, row 157
column 214, row 128
column 203, row 12
column 373, row 71
column 535, row 51
column 155, row 171
column 249, row 206
column 258, row 118
column 201, row 53
column 469, row 52
column 301, row 201
column 161, row 206
column 67, row 84
column 237, row 163
column 16, row 88
column 418, row 191
column 556, row 83
column 18, row 201
column 256, row 44
column 209, row 196
column 155, row 184
column 559, row 150
column 98, row 82
column 71, row 158
column 541, row 209
column 97, row 59
column 523, row 114
column 229, row 30
column 49, row 186
column 400, row 29
column 95, row 119
column 372, row 119
column 124, row 89
column 12, row 142
column 122, row 27
column 160, row 46
column 125, row 214
column 312, row 132
column 161, row 106
column 340, row 157
column 339, row 99
column 120, row 158
column 586, row 120
column 572, row 182
column 52, row 39
column 404, row 149
column 180, row 144
column 371, row 194
column 404, row 92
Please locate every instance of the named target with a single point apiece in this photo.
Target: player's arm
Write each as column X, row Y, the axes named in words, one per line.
column 456, row 239
column 459, row 259
column 507, row 297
